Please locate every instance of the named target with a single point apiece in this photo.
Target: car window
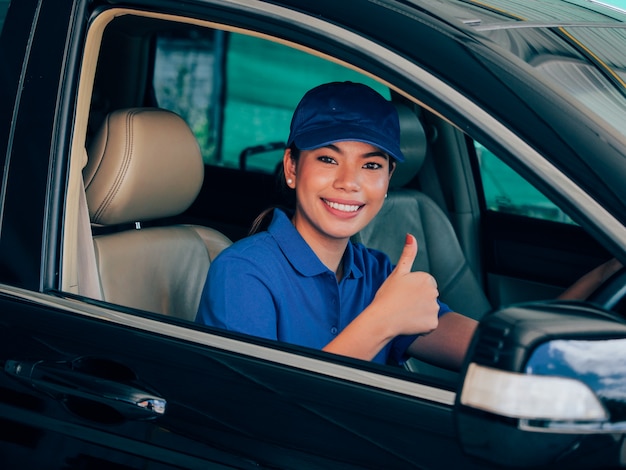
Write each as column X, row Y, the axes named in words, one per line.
column 187, row 70
column 585, row 60
column 238, row 92
column 506, row 191
column 589, row 85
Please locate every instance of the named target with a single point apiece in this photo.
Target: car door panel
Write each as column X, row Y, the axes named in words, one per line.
column 221, row 406
column 529, row 259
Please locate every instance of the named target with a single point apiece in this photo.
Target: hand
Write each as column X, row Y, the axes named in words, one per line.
column 408, row 299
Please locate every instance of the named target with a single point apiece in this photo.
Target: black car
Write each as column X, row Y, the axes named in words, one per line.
column 139, row 138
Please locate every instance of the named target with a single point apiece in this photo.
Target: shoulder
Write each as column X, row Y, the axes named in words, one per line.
column 258, row 250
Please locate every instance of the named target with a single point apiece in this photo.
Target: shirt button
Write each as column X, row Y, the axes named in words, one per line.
column 334, row 330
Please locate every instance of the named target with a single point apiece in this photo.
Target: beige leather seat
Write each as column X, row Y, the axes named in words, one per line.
column 145, row 164
column 411, row 211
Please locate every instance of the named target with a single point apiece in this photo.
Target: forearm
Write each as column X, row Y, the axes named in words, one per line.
column 405, row 304
column 582, row 288
column 447, row 345
column 363, row 338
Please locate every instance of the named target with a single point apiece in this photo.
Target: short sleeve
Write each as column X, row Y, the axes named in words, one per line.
column 236, row 298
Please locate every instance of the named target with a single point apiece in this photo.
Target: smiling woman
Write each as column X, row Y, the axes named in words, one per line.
column 343, row 138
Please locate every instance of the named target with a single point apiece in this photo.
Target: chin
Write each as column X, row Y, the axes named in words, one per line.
column 347, row 232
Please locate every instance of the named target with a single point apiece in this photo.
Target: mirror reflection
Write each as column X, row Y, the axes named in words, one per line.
column 600, row 364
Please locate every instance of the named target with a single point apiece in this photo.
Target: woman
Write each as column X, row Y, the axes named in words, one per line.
column 303, row 281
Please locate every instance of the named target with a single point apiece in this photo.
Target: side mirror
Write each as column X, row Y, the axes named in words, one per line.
column 545, row 385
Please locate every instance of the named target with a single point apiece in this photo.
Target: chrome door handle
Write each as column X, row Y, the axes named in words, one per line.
column 61, row 380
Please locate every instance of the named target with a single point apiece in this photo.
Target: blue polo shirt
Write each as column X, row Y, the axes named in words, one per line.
column 272, row 285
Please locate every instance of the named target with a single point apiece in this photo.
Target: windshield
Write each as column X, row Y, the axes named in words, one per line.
column 581, row 51
column 586, row 62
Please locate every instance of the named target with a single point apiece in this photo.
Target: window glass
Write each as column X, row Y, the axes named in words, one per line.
column 589, row 85
column 506, row 191
column 587, row 62
column 238, row 92
column 265, row 82
column 187, row 70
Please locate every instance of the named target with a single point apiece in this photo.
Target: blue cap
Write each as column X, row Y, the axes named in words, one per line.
column 342, row 111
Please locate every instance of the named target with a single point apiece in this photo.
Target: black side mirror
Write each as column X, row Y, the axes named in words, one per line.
column 545, row 385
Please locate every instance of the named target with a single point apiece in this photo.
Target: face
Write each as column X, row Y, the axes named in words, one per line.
column 339, row 189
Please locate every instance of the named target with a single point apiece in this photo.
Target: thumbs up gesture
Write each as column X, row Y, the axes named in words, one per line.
column 409, row 299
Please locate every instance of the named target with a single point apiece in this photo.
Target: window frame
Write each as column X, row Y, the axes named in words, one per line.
column 429, row 85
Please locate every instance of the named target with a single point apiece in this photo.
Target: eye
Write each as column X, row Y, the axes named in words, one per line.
column 326, row 159
column 372, row 166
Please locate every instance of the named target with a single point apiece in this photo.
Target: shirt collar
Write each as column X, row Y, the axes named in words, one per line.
column 299, row 253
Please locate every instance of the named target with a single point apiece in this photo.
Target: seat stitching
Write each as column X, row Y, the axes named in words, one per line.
column 121, row 176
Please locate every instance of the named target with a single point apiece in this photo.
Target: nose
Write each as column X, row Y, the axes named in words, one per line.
column 347, row 178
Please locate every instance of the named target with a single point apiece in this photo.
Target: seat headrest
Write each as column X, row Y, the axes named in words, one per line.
column 144, row 163
column 413, row 146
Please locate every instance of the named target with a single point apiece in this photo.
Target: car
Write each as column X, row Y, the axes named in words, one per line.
column 140, row 138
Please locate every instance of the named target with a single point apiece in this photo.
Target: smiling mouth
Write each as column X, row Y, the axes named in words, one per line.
column 343, row 207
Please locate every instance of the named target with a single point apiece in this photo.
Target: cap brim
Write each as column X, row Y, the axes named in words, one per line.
column 320, row 137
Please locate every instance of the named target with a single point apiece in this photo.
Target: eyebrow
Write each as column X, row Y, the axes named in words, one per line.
column 376, row 153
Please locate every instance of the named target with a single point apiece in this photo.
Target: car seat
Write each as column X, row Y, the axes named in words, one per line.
column 411, row 211
column 144, row 164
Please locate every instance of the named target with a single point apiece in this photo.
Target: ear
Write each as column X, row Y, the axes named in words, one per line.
column 289, row 168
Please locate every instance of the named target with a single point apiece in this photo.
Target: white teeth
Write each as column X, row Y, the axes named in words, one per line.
column 343, row 207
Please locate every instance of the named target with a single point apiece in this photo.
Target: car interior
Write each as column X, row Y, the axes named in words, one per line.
column 179, row 132
column 130, row 177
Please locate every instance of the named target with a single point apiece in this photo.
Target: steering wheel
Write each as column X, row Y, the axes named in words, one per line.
column 611, row 292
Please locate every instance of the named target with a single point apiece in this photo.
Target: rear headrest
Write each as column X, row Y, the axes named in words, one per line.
column 144, row 163
column 412, row 144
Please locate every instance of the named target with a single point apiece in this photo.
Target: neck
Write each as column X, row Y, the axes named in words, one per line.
column 329, row 250
column 330, row 253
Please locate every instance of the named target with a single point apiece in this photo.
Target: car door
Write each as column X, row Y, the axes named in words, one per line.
column 87, row 384
column 71, row 378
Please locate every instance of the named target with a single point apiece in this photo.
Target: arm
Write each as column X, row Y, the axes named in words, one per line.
column 447, row 345
column 405, row 304
column 582, row 288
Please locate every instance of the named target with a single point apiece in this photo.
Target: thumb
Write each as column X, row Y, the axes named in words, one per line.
column 409, row 252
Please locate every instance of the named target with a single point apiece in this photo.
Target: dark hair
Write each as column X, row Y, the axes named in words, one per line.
column 287, row 196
